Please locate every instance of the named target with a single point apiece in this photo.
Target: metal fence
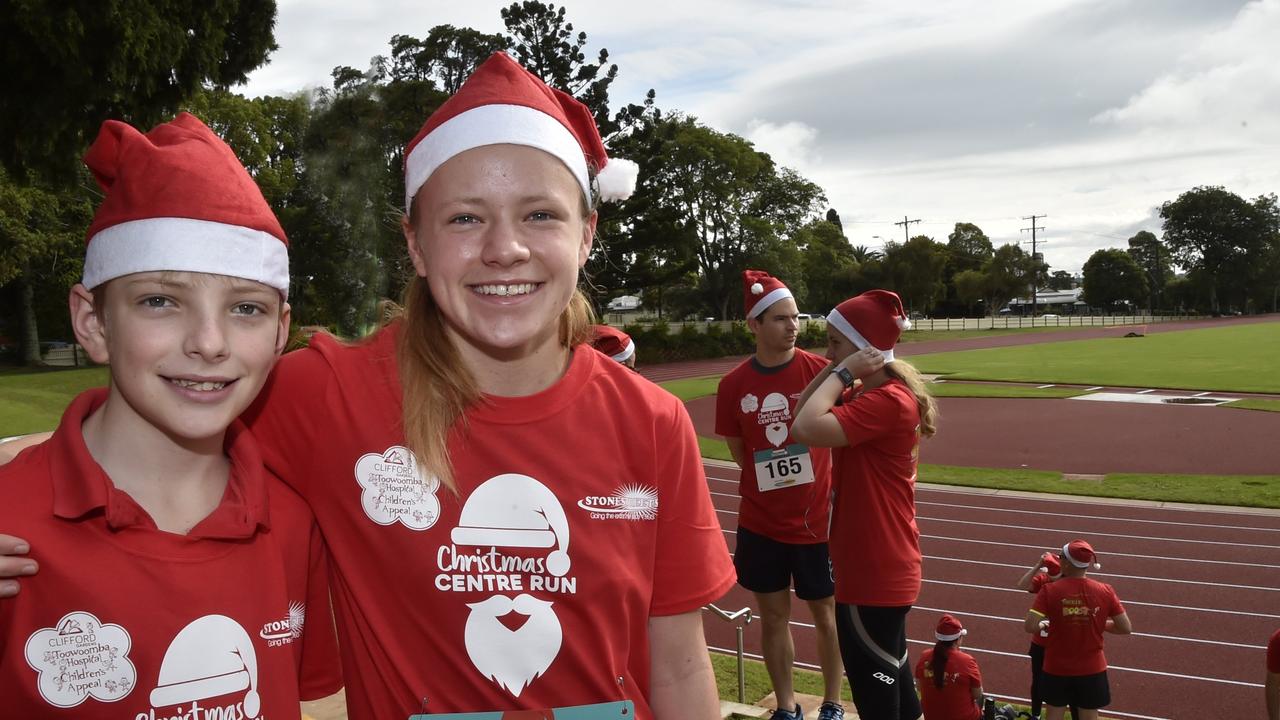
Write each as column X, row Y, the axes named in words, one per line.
column 999, row 322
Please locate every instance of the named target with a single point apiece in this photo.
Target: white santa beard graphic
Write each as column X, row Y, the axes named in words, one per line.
column 512, row 658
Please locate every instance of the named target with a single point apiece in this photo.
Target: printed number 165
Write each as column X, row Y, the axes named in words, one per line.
column 785, row 467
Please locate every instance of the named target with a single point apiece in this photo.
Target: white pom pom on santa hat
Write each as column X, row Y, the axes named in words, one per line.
column 616, row 181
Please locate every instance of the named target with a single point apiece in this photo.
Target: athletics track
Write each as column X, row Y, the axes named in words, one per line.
column 1201, row 585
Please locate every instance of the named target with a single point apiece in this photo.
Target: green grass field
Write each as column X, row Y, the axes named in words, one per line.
column 981, row 390
column 1242, row 358
column 34, row 401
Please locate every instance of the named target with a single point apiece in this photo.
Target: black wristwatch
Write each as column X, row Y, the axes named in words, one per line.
column 845, row 376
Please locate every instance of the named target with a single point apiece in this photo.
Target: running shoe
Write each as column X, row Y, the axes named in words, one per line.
column 781, row 714
column 830, row 711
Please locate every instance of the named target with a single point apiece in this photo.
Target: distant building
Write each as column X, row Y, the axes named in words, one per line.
column 624, row 303
column 1054, row 301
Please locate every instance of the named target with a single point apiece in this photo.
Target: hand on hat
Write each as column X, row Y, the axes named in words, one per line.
column 863, row 363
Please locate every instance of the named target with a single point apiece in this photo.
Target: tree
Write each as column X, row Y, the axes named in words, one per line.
column 1216, row 233
column 827, row 259
column 971, row 288
column 1153, row 257
column 42, row 233
column 1112, row 277
column 833, row 217
column 968, row 248
column 1009, row 273
column 1061, row 280
column 915, row 268
column 77, row 63
column 863, row 254
column 544, row 42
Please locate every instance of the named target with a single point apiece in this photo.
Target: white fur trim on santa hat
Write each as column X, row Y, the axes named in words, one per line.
column 772, row 297
column 836, row 320
column 953, row 636
column 617, row 179
column 493, row 125
column 186, row 245
column 627, row 352
column 1071, row 559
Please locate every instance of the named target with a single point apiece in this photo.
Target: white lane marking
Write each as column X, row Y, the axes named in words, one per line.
column 1126, row 602
column 1137, row 634
column 728, row 495
column 1042, row 387
column 726, row 512
column 1073, row 532
column 1144, row 392
column 1101, row 517
column 1126, row 555
column 1095, row 387
column 1114, row 575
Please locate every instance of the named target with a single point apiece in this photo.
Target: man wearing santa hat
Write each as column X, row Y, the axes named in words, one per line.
column 1075, row 611
column 785, row 488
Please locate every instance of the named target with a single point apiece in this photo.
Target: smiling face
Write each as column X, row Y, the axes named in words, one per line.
column 188, row 351
column 500, row 232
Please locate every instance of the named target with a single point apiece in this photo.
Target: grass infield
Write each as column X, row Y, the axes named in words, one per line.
column 1239, row 358
column 33, row 401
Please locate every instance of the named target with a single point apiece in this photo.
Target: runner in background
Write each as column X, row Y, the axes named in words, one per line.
column 616, row 344
column 948, row 678
column 875, row 544
column 1045, row 570
column 785, row 488
column 1075, row 611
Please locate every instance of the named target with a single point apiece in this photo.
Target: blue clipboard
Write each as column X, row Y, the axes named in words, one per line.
column 622, row 710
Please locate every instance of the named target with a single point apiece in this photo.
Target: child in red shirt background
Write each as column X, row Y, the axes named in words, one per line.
column 948, row 677
column 1045, row 570
column 1076, row 611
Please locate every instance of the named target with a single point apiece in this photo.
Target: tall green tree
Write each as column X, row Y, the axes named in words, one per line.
column 74, row 64
column 827, row 260
column 1112, row 277
column 1061, row 280
column 42, row 229
column 1009, row 274
column 968, row 248
column 915, row 268
column 971, row 288
column 1215, row 232
column 1154, row 259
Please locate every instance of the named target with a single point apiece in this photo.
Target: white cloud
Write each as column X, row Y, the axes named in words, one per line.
column 790, row 144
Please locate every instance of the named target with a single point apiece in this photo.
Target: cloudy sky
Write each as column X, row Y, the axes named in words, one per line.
column 1092, row 112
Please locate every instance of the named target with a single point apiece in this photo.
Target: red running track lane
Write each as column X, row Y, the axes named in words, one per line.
column 1201, row 585
column 1081, row 436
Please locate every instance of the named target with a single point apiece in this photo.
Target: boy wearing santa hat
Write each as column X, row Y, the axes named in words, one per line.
column 179, row 576
column 785, row 488
column 1075, row 611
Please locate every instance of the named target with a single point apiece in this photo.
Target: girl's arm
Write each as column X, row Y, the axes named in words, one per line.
column 682, row 685
column 814, row 425
column 1024, row 583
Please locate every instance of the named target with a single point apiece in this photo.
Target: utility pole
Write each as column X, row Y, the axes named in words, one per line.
column 1033, row 230
column 906, row 236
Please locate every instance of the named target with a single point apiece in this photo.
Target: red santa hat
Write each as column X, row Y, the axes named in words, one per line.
column 1050, row 564
column 502, row 103
column 873, row 319
column 1080, row 554
column 949, row 629
column 760, row 290
column 178, row 199
column 613, row 342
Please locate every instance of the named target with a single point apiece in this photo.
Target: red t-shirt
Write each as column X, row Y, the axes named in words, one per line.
column 875, row 544
column 954, row 700
column 1273, row 653
column 581, row 511
column 128, row 621
column 1038, row 581
column 1077, row 610
column 757, row 404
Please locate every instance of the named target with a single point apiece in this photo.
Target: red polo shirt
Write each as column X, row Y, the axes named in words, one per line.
column 954, row 700
column 128, row 621
column 1077, row 610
